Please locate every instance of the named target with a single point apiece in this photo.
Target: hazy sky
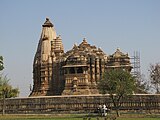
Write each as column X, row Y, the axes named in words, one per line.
column 131, row 25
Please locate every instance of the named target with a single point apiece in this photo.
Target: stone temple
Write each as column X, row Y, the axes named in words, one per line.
column 75, row 72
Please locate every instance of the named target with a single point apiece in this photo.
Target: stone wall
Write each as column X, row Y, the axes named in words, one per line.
column 76, row 104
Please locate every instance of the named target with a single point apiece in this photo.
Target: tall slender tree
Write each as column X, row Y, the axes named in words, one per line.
column 1, row 63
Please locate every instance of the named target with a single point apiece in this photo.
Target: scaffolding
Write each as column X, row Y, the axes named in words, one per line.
column 135, row 61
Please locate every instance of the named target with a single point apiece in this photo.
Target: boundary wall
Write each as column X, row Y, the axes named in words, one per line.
column 77, row 104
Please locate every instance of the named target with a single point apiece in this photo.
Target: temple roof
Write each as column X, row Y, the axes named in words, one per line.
column 118, row 60
column 118, row 53
column 84, row 50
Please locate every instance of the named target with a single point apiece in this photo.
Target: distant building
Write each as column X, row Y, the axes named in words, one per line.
column 75, row 72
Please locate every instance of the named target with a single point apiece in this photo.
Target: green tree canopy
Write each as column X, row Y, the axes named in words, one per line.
column 118, row 83
column 6, row 90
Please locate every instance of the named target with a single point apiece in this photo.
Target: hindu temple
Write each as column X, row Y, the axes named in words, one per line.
column 75, row 72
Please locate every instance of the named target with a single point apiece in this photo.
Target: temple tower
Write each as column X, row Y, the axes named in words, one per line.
column 119, row 60
column 49, row 47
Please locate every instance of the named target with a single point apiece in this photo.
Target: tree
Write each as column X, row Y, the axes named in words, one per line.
column 1, row 63
column 142, row 84
column 155, row 76
column 118, row 84
column 6, row 90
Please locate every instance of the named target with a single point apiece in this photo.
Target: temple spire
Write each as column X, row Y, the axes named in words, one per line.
column 48, row 34
column 42, row 65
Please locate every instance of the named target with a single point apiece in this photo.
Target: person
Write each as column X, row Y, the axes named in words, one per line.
column 100, row 109
column 104, row 110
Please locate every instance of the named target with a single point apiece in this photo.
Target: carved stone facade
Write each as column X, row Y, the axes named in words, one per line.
column 75, row 72
column 84, row 67
column 118, row 60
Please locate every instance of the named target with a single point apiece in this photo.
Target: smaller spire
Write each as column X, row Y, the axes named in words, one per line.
column 47, row 23
column 75, row 46
column 59, row 37
column 118, row 49
column 118, row 53
column 84, row 41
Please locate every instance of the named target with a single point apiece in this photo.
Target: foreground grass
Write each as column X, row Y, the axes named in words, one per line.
column 77, row 117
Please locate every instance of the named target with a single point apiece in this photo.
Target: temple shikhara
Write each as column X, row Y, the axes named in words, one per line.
column 75, row 72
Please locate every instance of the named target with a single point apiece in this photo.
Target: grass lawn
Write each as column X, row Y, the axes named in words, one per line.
column 76, row 117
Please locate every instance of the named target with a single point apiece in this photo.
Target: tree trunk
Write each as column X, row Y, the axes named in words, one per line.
column 117, row 112
column 116, row 105
column 4, row 105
